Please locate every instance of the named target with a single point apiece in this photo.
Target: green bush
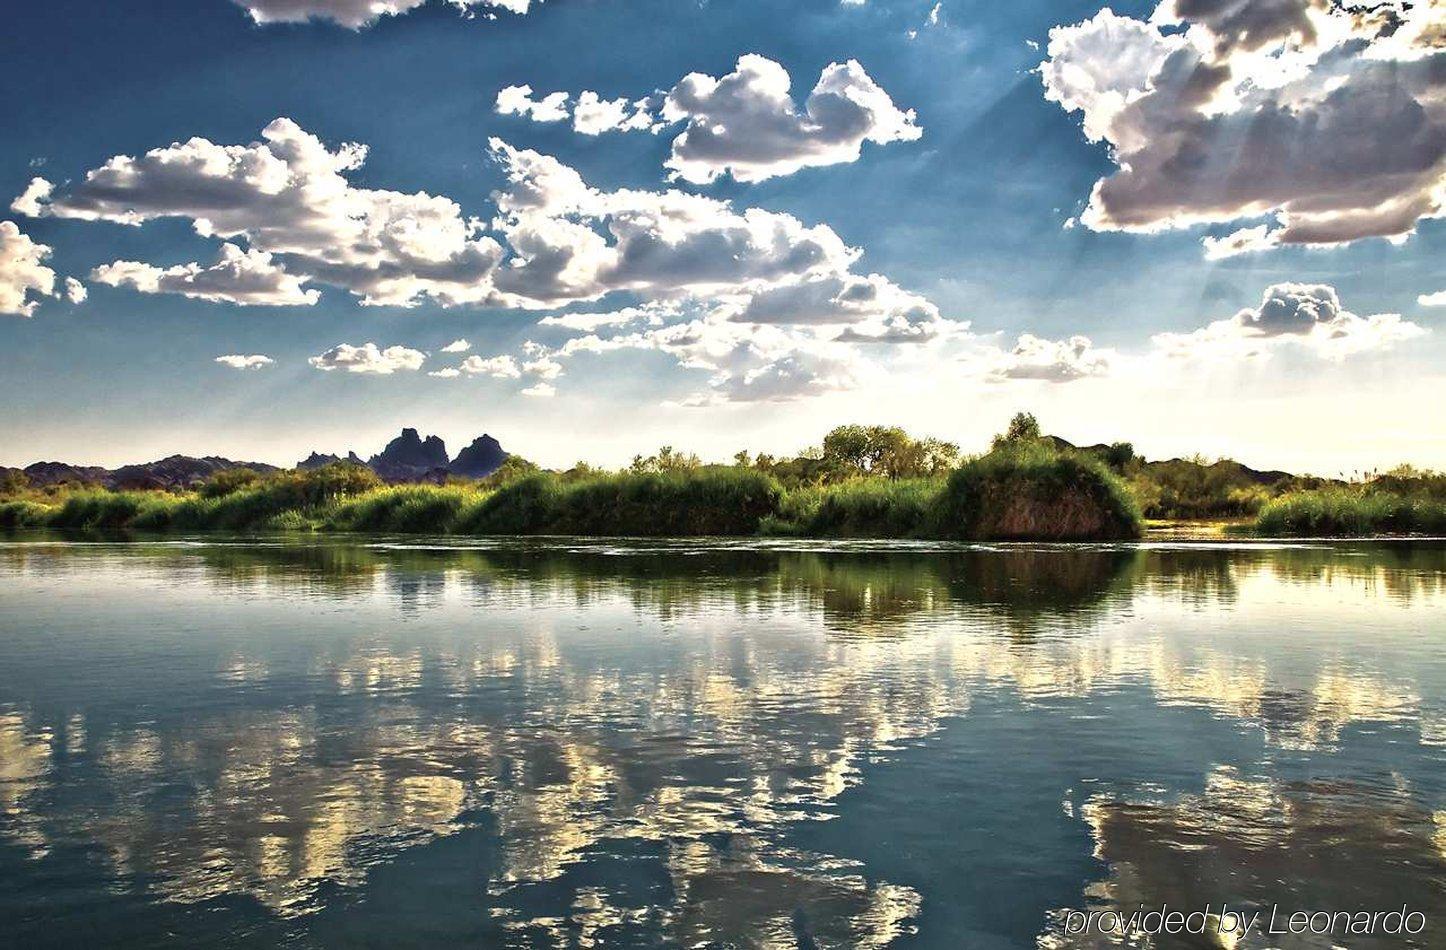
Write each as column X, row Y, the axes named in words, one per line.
column 874, row 508
column 688, row 502
column 1031, row 491
column 23, row 514
column 1347, row 512
column 428, row 509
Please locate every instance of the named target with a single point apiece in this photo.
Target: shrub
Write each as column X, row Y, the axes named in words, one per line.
column 874, row 508
column 227, row 481
column 23, row 514
column 688, row 502
column 429, row 509
column 101, row 510
column 1346, row 512
column 1028, row 490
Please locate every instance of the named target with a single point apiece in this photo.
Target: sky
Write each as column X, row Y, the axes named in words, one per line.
column 258, row 228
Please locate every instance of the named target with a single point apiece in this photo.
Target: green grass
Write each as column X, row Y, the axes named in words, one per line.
column 698, row 502
column 861, row 508
column 1351, row 512
column 1035, row 492
column 1020, row 492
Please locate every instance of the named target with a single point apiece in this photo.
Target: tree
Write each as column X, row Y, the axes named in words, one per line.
column 229, row 480
column 1023, row 428
column 888, row 451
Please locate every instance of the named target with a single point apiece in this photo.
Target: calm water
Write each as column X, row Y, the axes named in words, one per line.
column 586, row 744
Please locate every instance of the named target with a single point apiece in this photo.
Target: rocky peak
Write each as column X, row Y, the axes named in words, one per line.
column 480, row 459
column 409, row 456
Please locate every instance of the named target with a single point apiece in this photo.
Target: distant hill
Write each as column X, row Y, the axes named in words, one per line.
column 407, row 458
column 411, row 458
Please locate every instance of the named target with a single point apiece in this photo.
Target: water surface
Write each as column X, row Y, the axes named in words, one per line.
column 614, row 744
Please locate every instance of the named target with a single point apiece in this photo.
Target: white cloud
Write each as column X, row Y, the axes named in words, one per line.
column 31, row 201
column 237, row 276
column 355, row 14
column 1305, row 315
column 288, row 196
column 75, row 291
column 22, row 271
column 498, row 367
column 595, row 115
column 517, row 100
column 662, row 243
column 744, row 124
column 451, row 372
column 1437, row 299
column 652, row 313
column 767, row 305
column 1053, row 361
column 1328, row 116
column 1243, row 241
column 872, row 308
column 541, row 391
column 239, row 361
column 369, row 358
column 457, row 346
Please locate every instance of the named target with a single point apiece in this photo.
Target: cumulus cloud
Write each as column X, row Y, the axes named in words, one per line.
column 23, row 273
column 31, row 201
column 540, row 391
column 652, row 313
column 75, row 291
column 746, row 123
column 1328, row 117
column 237, row 276
column 287, row 196
column 517, row 100
column 369, row 358
column 873, row 308
column 457, row 346
column 239, row 361
column 498, row 367
column 594, row 115
column 1052, row 361
column 450, row 372
column 1304, row 315
column 768, row 305
column 743, row 362
column 1437, row 299
column 355, row 14
column 571, row 242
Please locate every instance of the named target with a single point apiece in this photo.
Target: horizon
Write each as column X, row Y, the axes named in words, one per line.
column 454, row 446
column 310, row 227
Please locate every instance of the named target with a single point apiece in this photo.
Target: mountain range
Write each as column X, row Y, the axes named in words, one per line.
column 407, row 458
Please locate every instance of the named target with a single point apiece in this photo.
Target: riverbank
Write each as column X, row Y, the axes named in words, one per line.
column 1016, row 493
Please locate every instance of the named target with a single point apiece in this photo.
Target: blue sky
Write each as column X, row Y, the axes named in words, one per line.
column 978, row 225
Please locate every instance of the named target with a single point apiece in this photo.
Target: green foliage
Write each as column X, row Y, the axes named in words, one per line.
column 22, row 513
column 706, row 501
column 101, row 510
column 227, row 481
column 873, row 508
column 1351, row 512
column 1409, row 480
column 1196, row 488
column 1029, row 490
column 887, row 451
column 667, row 460
column 1023, row 428
column 429, row 509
